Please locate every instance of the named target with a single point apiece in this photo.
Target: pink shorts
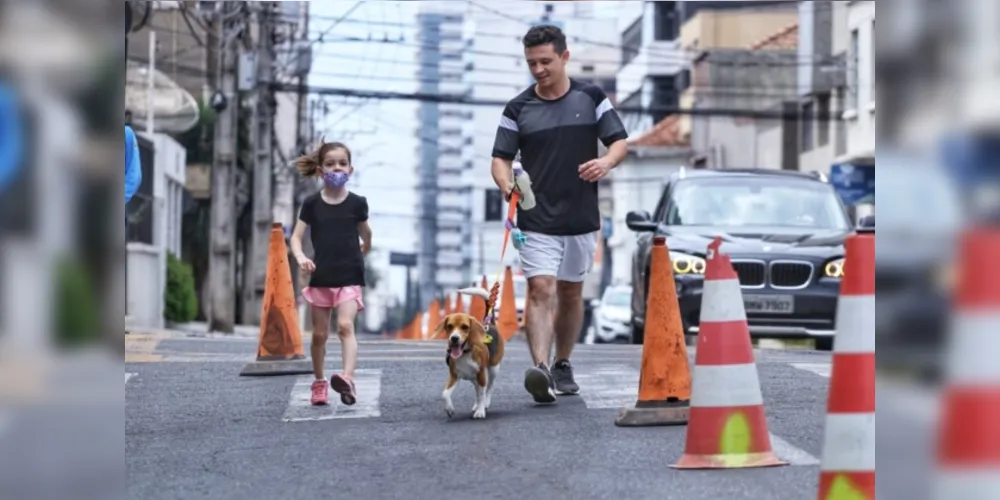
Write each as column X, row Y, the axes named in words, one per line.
column 333, row 297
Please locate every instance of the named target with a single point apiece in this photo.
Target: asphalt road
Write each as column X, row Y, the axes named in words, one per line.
column 195, row 429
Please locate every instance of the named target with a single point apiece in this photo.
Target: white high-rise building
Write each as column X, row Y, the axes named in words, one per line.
column 441, row 205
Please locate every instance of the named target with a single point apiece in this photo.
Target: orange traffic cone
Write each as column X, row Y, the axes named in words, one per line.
column 477, row 305
column 848, row 464
column 968, row 448
column 728, row 425
column 433, row 318
column 447, row 305
column 665, row 380
column 507, row 319
column 279, row 348
column 417, row 328
column 459, row 306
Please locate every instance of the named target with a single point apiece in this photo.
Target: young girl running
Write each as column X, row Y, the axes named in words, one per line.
column 337, row 219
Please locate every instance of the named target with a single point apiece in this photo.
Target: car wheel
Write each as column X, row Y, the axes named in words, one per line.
column 638, row 334
column 824, row 344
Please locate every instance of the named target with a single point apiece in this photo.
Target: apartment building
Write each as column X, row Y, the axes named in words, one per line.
column 822, row 84
column 728, row 73
column 441, row 205
column 857, row 42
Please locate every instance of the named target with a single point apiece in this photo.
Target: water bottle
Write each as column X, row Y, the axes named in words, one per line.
column 523, row 184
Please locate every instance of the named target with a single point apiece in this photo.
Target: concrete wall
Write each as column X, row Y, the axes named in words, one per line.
column 733, row 29
column 744, row 80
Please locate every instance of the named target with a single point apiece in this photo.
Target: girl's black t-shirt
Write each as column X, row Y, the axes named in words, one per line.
column 333, row 230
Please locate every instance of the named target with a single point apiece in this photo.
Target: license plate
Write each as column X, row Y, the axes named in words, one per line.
column 769, row 304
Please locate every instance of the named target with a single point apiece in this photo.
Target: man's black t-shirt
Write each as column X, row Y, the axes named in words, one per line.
column 555, row 137
column 333, row 230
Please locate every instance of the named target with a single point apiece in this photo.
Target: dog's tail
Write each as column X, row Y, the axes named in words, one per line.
column 476, row 291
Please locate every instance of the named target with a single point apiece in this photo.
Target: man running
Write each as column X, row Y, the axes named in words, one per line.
column 555, row 125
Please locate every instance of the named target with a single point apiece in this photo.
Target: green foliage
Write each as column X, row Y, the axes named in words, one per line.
column 180, row 298
column 77, row 311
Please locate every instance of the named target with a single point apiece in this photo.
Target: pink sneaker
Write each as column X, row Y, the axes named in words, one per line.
column 320, row 393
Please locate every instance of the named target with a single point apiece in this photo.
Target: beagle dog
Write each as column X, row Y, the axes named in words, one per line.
column 474, row 354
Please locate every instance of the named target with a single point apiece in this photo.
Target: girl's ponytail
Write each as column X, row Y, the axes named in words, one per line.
column 306, row 165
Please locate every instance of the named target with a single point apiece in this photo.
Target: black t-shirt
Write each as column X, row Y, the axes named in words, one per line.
column 333, row 230
column 554, row 138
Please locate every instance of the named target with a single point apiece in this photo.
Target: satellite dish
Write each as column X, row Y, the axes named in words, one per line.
column 175, row 110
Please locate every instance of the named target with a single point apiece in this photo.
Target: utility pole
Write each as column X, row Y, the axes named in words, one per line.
column 222, row 246
column 263, row 170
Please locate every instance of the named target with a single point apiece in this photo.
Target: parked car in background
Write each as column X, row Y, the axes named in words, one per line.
column 784, row 232
column 915, row 260
column 612, row 315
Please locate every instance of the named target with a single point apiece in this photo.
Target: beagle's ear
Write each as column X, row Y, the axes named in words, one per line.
column 439, row 329
column 476, row 328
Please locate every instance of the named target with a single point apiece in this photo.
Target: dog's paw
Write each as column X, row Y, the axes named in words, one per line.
column 487, row 402
column 449, row 410
column 479, row 414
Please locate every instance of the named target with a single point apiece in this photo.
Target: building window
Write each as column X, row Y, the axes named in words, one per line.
column 852, row 68
column 587, row 68
column 631, row 41
column 666, row 98
column 840, row 137
column 494, row 205
column 808, row 117
column 823, row 117
column 683, row 80
column 665, row 21
column 871, row 63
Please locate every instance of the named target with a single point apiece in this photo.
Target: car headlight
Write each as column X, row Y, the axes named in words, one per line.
column 683, row 263
column 834, row 269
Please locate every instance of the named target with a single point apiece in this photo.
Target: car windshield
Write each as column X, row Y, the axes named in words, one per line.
column 616, row 298
column 765, row 200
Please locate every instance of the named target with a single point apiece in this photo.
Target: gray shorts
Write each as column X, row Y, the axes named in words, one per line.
column 568, row 258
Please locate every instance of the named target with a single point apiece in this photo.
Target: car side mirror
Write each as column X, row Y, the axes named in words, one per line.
column 867, row 222
column 640, row 221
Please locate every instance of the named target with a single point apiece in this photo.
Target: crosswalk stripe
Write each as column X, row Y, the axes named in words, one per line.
column 368, row 384
column 821, row 369
column 606, row 387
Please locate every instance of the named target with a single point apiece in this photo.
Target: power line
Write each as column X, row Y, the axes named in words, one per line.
column 461, row 99
column 678, row 55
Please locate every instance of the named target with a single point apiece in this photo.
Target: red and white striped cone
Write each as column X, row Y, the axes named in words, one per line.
column 727, row 425
column 968, row 456
column 848, row 463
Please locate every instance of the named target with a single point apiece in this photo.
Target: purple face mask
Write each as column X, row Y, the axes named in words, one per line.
column 335, row 179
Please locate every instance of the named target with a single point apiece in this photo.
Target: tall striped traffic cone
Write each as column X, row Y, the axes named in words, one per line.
column 848, row 466
column 968, row 455
column 727, row 425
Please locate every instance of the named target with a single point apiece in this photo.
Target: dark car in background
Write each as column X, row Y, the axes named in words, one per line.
column 784, row 232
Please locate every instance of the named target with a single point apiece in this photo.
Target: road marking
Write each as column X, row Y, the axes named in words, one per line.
column 821, row 369
column 369, row 388
column 791, row 453
column 615, row 386
column 128, row 376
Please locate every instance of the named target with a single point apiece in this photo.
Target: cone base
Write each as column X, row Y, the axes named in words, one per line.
column 646, row 414
column 731, row 461
column 265, row 368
